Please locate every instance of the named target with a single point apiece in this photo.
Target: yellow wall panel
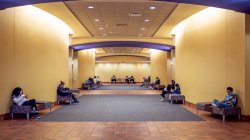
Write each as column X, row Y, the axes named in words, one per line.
column 210, row 55
column 34, row 53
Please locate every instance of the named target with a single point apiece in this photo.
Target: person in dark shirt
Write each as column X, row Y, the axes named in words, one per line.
column 177, row 89
column 61, row 91
column 132, row 79
column 113, row 79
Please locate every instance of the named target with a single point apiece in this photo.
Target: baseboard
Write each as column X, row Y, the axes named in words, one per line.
column 189, row 104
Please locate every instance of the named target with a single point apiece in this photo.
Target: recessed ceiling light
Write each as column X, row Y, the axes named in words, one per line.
column 90, row 7
column 104, row 34
column 140, row 34
column 101, row 28
column 152, row 7
column 97, row 19
column 142, row 28
column 146, row 20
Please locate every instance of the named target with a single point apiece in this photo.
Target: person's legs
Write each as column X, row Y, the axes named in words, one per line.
column 220, row 104
column 31, row 103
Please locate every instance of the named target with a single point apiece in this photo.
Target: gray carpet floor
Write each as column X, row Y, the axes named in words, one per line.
column 113, row 108
column 122, row 87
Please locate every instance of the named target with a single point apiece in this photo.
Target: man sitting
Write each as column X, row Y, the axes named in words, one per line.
column 145, row 82
column 132, row 79
column 229, row 101
column 157, row 82
column 113, row 79
column 61, row 91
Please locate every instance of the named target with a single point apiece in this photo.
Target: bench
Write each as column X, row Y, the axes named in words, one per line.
column 177, row 97
column 28, row 109
column 207, row 106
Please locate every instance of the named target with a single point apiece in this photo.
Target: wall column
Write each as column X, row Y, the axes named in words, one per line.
column 158, row 61
column 86, row 65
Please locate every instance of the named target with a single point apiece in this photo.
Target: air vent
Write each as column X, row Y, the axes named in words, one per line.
column 134, row 14
column 121, row 24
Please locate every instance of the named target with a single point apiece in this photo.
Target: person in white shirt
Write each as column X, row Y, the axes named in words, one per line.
column 21, row 100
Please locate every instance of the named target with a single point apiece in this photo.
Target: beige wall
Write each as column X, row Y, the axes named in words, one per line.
column 121, row 70
column 159, row 63
column 247, row 23
column 86, row 65
column 33, row 54
column 210, row 55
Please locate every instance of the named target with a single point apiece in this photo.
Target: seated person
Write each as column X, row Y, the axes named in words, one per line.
column 166, row 91
column 145, row 82
column 149, row 79
column 177, row 89
column 127, row 80
column 90, row 82
column 97, row 80
column 172, row 84
column 61, row 91
column 113, row 79
column 21, row 100
column 132, row 79
column 157, row 82
column 229, row 101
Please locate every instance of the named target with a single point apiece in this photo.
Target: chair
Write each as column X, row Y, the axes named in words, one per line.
column 20, row 110
column 64, row 99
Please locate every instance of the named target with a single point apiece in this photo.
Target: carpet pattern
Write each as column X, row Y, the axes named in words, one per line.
column 122, row 87
column 113, row 108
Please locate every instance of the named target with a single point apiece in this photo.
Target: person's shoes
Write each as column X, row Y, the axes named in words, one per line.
column 213, row 104
column 76, row 102
column 162, row 100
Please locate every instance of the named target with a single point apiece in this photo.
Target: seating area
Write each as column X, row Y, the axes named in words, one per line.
column 207, row 106
column 41, row 105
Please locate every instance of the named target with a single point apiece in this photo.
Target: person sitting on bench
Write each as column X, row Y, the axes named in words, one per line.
column 145, row 82
column 157, row 82
column 113, row 79
column 127, row 80
column 61, row 91
column 165, row 91
column 132, row 79
column 229, row 101
column 21, row 100
column 177, row 89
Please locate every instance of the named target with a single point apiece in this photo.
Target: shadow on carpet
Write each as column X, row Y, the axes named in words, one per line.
column 113, row 108
column 122, row 87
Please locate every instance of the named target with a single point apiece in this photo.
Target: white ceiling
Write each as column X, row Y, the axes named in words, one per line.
column 112, row 18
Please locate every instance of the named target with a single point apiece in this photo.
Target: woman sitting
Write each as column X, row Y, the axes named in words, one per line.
column 61, row 91
column 177, row 89
column 21, row 100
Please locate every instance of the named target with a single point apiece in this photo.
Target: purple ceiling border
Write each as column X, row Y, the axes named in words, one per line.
column 242, row 6
column 236, row 5
column 157, row 46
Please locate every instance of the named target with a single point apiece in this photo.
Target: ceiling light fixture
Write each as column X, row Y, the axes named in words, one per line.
column 97, row 19
column 90, row 7
column 140, row 34
column 142, row 28
column 152, row 7
column 104, row 34
column 146, row 20
column 101, row 28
